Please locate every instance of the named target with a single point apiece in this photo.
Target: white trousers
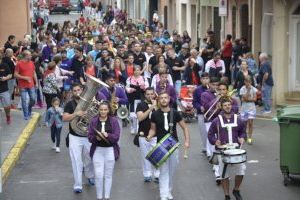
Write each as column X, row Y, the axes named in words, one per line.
column 167, row 174
column 238, row 169
column 210, row 149
column 79, row 148
column 203, row 131
column 104, row 162
column 145, row 147
column 120, row 122
column 134, row 125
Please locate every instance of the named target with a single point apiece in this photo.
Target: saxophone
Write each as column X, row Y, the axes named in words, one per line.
column 113, row 102
column 88, row 103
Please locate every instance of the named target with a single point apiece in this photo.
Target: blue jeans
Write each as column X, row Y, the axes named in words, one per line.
column 266, row 97
column 55, row 135
column 32, row 97
column 178, row 86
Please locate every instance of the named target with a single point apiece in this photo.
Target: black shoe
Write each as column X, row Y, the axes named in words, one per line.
column 237, row 195
column 227, row 197
column 218, row 180
column 156, row 180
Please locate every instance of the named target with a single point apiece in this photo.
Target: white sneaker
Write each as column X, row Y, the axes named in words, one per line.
column 170, row 196
column 57, row 149
column 132, row 131
column 163, row 198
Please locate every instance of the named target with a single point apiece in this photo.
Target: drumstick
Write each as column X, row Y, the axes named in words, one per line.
column 241, row 146
column 185, row 154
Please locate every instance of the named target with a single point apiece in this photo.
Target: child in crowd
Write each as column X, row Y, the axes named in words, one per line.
column 248, row 109
column 53, row 119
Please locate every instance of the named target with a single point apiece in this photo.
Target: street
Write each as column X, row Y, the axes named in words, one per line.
column 43, row 174
column 59, row 18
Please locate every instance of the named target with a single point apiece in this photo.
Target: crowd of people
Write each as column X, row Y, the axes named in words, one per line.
column 145, row 69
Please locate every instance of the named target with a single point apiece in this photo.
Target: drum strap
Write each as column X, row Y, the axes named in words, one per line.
column 171, row 124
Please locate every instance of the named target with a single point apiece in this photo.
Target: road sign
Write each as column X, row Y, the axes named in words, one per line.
column 223, row 8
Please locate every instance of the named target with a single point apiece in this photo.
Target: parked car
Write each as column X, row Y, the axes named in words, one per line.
column 59, row 6
column 74, row 5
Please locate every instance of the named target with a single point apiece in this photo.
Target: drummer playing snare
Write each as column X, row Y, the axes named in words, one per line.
column 160, row 126
column 227, row 129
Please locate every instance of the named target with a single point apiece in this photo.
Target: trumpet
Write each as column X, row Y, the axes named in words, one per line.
column 208, row 114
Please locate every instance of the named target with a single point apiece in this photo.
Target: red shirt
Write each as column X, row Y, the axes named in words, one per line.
column 227, row 51
column 90, row 71
column 25, row 68
column 129, row 70
column 82, row 20
column 195, row 81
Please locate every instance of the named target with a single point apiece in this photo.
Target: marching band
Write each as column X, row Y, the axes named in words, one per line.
column 96, row 126
column 154, row 81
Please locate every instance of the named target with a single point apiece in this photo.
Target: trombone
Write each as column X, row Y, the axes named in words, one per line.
column 216, row 108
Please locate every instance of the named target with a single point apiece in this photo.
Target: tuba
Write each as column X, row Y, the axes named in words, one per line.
column 88, row 103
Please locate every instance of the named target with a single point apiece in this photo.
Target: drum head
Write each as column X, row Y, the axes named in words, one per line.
column 234, row 151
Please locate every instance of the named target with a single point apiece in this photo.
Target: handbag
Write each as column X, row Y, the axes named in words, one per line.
column 136, row 140
column 67, row 140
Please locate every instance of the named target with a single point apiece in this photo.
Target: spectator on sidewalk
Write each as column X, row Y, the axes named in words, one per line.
column 266, row 82
column 27, row 82
column 227, row 54
column 5, row 75
column 10, row 61
column 10, row 42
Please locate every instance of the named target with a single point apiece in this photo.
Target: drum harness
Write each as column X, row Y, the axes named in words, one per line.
column 229, row 127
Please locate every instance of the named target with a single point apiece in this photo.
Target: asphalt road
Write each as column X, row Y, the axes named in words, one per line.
column 59, row 18
column 44, row 174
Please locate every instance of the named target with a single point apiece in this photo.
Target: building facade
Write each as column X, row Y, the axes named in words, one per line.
column 271, row 26
column 15, row 19
column 181, row 15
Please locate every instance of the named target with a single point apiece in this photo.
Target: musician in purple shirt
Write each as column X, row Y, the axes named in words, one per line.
column 104, row 134
column 208, row 101
column 223, row 91
column 228, row 128
column 208, row 98
column 118, row 94
column 197, row 104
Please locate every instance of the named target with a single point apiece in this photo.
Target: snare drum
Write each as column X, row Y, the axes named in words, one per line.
column 234, row 156
column 162, row 151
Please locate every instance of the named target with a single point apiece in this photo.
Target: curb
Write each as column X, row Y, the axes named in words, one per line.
column 16, row 151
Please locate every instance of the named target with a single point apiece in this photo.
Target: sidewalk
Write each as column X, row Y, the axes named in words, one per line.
column 13, row 138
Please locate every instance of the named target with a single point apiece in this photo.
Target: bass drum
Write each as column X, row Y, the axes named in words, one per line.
column 162, row 151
